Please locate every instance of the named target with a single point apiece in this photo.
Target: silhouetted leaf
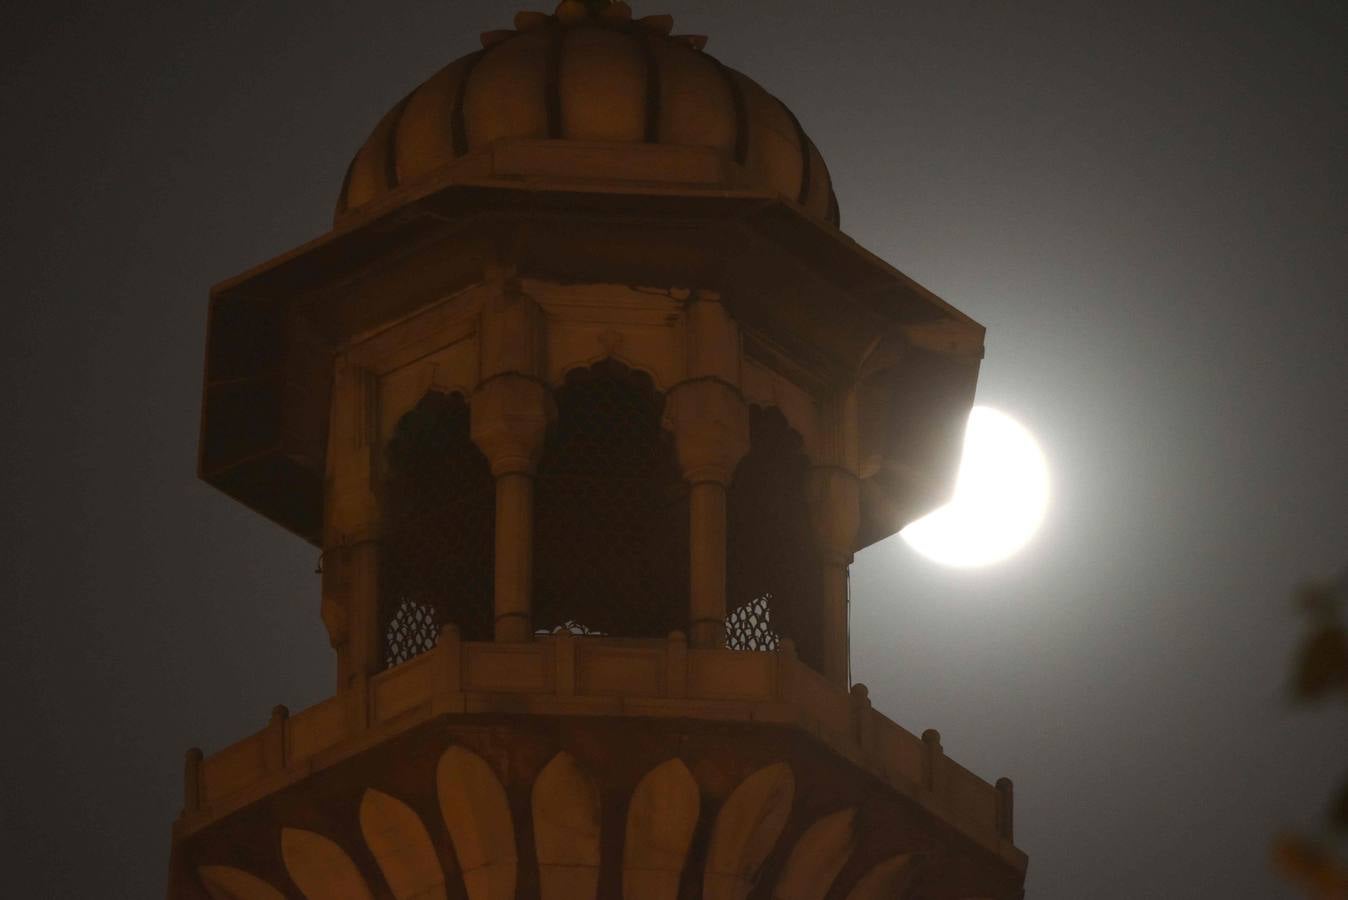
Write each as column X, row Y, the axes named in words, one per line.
column 1320, row 668
column 1309, row 865
column 1338, row 811
column 1322, row 665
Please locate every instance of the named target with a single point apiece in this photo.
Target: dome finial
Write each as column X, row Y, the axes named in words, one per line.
column 614, row 13
column 575, row 10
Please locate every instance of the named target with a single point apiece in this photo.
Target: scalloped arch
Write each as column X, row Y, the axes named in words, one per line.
column 558, row 375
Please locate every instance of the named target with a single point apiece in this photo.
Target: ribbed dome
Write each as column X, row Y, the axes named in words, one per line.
column 591, row 79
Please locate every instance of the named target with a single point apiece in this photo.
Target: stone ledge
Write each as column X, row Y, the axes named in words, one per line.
column 562, row 675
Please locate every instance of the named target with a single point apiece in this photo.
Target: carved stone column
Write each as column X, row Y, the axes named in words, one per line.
column 710, row 421
column 350, row 564
column 835, row 511
column 510, row 414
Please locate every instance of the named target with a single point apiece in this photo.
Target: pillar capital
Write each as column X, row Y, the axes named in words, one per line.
column 509, row 420
column 713, row 344
column 513, row 337
column 710, row 421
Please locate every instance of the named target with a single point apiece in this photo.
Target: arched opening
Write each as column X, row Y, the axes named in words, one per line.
column 611, row 511
column 774, row 580
column 438, row 546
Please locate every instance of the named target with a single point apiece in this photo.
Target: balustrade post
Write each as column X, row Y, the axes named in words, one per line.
column 564, row 653
column 1006, row 809
column 449, row 646
column 448, row 654
column 863, row 726
column 676, row 665
column 933, row 760
column 192, row 780
column 787, row 662
column 274, row 738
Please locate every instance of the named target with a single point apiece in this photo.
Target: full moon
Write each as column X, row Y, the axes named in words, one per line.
column 1001, row 494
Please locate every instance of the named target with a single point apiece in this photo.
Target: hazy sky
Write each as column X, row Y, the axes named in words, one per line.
column 1144, row 202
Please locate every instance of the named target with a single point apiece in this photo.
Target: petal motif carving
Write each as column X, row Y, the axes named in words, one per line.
column 889, row 880
column 566, row 830
column 660, row 823
column 402, row 846
column 320, row 868
column 817, row 858
column 746, row 829
column 477, row 815
column 229, row 883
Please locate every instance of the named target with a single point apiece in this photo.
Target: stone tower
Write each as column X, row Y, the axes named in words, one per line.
column 588, row 403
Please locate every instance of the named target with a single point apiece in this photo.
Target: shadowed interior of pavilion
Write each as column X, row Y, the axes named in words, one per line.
column 611, row 525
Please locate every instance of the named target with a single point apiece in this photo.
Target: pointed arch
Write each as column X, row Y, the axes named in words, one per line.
column 660, row 823
column 817, row 858
column 477, row 814
column 321, row 869
column 747, row 828
column 402, row 847
column 438, row 552
column 774, row 579
column 566, row 812
column 610, row 510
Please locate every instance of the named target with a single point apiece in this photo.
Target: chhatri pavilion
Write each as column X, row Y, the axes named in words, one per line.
column 588, row 403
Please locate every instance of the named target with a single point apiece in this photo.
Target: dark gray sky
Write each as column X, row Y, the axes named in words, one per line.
column 1144, row 202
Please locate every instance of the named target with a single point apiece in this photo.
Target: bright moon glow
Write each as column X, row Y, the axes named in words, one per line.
column 1000, row 497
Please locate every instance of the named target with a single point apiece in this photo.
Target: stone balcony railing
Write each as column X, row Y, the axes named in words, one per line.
column 564, row 675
